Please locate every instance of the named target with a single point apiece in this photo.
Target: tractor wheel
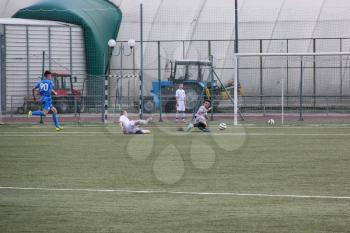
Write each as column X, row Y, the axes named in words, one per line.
column 62, row 106
column 20, row 110
column 80, row 108
column 148, row 105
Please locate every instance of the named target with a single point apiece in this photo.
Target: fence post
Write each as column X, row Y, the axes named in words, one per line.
column 75, row 106
column 212, row 88
column 261, row 72
column 141, row 66
column 11, row 110
column 159, row 82
column 105, row 114
column 42, row 75
column 235, row 93
column 301, row 90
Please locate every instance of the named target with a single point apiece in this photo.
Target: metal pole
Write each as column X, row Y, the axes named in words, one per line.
column 141, row 62
column 341, row 69
column 236, row 26
column 211, row 78
column 128, row 92
column 183, row 49
column 50, row 46
column 282, row 99
column 235, row 93
column 314, row 72
column 70, row 51
column 301, row 90
column 27, row 53
column 42, row 75
column 120, row 88
column 2, row 73
column 1, row 76
column 261, row 74
column 133, row 72
column 159, row 82
column 287, row 86
column 209, row 48
column 103, row 107
column 235, row 58
column 212, row 88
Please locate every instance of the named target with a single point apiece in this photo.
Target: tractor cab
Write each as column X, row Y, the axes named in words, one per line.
column 189, row 70
column 67, row 96
column 64, row 84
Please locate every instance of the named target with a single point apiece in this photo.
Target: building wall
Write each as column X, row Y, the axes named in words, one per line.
column 25, row 44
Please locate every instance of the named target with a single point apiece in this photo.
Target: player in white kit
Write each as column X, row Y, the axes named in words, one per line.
column 130, row 127
column 180, row 102
column 200, row 120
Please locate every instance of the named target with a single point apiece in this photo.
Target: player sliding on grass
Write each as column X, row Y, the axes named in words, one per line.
column 130, row 127
column 200, row 120
column 45, row 88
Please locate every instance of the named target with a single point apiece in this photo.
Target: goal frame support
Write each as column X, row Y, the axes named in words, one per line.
column 236, row 57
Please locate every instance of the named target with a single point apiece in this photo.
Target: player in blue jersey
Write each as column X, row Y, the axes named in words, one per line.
column 45, row 87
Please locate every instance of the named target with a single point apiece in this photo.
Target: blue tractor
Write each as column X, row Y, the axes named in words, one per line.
column 189, row 72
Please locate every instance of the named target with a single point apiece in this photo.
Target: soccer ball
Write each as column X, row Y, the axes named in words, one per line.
column 222, row 126
column 271, row 122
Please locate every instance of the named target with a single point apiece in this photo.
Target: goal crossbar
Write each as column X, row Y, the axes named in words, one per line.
column 290, row 54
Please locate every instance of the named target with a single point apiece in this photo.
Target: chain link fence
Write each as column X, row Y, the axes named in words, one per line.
column 259, row 88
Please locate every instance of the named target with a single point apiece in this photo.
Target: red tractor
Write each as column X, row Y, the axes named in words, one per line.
column 67, row 99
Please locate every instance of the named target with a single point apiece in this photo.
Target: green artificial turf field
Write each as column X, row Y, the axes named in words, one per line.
column 245, row 179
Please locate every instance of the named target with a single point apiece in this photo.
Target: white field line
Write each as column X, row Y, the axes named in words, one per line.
column 175, row 192
column 89, row 134
column 211, row 125
column 320, row 126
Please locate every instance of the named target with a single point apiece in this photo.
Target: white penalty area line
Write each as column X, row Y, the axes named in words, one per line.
column 177, row 192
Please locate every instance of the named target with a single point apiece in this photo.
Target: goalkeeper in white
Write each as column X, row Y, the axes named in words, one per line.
column 130, row 127
column 200, row 120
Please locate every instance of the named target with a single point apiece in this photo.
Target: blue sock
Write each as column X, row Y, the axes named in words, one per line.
column 38, row 113
column 55, row 120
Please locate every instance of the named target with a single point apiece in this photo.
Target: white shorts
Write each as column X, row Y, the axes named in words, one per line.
column 181, row 107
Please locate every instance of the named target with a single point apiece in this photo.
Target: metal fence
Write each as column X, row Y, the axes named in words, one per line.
column 257, row 76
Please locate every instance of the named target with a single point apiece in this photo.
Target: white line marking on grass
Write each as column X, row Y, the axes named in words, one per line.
column 50, row 135
column 176, row 192
column 44, row 134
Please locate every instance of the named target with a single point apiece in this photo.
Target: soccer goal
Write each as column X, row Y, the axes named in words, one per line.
column 290, row 86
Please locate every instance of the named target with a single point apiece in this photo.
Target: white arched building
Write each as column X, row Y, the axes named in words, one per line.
column 194, row 29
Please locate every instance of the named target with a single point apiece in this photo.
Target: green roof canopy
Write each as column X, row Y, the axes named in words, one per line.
column 100, row 21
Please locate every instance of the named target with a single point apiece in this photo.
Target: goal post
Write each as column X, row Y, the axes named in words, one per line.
column 292, row 81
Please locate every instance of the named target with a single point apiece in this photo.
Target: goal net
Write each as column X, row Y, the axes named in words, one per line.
column 293, row 86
